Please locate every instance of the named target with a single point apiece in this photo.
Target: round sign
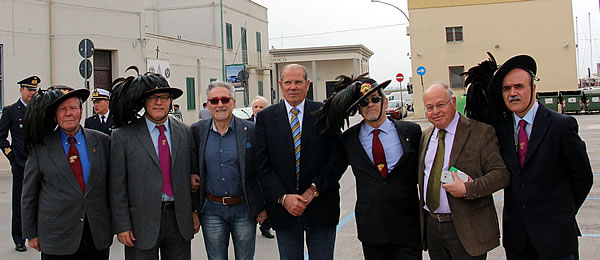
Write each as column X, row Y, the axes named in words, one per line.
column 421, row 70
column 86, row 48
column 85, row 68
column 243, row 75
column 399, row 77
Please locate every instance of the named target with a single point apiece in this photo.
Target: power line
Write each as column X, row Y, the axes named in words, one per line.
column 340, row 31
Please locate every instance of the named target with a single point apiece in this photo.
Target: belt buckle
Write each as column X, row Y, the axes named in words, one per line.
column 223, row 200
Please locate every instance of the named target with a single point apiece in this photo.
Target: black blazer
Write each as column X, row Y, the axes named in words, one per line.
column 12, row 120
column 276, row 165
column 544, row 196
column 387, row 210
column 93, row 122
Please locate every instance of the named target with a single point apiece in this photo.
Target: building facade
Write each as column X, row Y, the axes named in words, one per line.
column 450, row 36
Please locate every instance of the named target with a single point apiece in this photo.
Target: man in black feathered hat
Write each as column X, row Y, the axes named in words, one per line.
column 383, row 153
column 65, row 203
column 152, row 157
column 14, row 150
column 550, row 173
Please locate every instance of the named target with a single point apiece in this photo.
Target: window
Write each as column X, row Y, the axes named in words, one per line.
column 229, row 34
column 456, row 80
column 102, row 69
column 259, row 48
column 1, row 75
column 454, row 34
column 191, row 93
column 260, row 87
column 244, row 46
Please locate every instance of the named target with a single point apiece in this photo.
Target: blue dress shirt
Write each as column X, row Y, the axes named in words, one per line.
column 389, row 139
column 222, row 164
column 81, row 147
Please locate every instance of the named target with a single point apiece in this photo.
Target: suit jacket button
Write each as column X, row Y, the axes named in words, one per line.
column 81, row 219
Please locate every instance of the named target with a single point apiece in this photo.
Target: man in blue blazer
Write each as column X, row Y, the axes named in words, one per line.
column 293, row 160
column 550, row 173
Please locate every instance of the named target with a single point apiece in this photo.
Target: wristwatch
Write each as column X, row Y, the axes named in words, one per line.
column 314, row 190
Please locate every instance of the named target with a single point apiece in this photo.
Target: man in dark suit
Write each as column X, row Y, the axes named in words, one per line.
column 12, row 120
column 101, row 121
column 65, row 192
column 232, row 199
column 151, row 161
column 458, row 218
column 293, row 163
column 383, row 154
column 550, row 173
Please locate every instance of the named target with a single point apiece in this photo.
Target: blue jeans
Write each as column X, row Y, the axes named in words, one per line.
column 218, row 221
column 319, row 240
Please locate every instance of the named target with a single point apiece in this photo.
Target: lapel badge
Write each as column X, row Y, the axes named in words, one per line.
column 245, row 128
column 94, row 150
column 20, row 125
column 408, row 139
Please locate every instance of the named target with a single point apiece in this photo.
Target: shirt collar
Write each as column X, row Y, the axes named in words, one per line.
column 529, row 117
column 231, row 125
column 289, row 107
column 387, row 127
column 450, row 128
column 23, row 102
column 106, row 115
column 151, row 125
column 64, row 137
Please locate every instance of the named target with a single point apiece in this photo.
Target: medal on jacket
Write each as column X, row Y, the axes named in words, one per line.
column 7, row 150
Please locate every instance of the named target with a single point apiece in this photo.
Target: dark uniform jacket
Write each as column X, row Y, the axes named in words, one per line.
column 93, row 122
column 12, row 119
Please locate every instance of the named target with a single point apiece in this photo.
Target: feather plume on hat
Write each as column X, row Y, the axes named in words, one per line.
column 127, row 98
column 482, row 101
column 337, row 108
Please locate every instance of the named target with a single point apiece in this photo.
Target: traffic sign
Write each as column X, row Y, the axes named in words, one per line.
column 86, row 48
column 421, row 70
column 399, row 77
column 85, row 68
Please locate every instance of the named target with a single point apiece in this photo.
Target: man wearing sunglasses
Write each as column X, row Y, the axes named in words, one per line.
column 230, row 198
column 383, row 154
column 293, row 162
column 458, row 218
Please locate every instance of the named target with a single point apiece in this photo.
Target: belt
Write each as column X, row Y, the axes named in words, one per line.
column 167, row 205
column 225, row 200
column 446, row 217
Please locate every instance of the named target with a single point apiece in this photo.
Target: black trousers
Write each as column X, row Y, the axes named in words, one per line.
column 17, row 187
column 170, row 243
column 443, row 242
column 391, row 251
column 87, row 250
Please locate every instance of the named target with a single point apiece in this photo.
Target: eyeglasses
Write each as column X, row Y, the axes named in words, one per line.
column 164, row 98
column 293, row 82
column 224, row 100
column 365, row 102
column 439, row 106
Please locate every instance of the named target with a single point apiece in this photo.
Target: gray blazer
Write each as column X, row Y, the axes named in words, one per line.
column 244, row 132
column 136, row 181
column 53, row 205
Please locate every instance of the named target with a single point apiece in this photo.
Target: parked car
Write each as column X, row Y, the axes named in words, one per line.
column 396, row 110
column 242, row 112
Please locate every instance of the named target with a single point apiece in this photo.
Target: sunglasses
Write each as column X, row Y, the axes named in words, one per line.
column 224, row 100
column 365, row 102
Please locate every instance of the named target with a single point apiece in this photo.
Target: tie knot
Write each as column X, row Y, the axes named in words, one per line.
column 161, row 128
column 441, row 134
column 376, row 132
column 295, row 110
column 522, row 123
column 71, row 140
column 103, row 117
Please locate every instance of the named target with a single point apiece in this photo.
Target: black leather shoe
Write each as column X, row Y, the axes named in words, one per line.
column 267, row 234
column 20, row 248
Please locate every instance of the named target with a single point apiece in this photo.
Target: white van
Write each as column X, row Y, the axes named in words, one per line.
column 404, row 96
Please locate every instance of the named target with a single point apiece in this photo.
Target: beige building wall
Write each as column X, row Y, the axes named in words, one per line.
column 541, row 28
column 324, row 64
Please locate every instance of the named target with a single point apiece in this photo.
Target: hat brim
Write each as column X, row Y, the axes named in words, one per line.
column 175, row 92
column 100, row 98
column 379, row 86
column 81, row 93
column 517, row 62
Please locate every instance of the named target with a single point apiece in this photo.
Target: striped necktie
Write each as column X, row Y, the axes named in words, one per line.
column 296, row 133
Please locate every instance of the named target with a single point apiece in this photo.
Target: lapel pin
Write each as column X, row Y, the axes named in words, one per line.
column 93, row 150
column 245, row 128
column 407, row 139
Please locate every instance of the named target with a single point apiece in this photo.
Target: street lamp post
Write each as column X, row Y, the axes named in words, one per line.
column 377, row 1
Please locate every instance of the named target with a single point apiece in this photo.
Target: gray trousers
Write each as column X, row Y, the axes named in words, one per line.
column 170, row 244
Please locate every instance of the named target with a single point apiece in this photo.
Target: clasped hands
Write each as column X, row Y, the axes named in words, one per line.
column 296, row 204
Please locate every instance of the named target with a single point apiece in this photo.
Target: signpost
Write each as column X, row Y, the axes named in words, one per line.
column 421, row 71
column 86, row 50
column 400, row 78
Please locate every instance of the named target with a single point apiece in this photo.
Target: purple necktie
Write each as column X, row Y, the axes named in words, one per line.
column 522, row 146
column 164, row 156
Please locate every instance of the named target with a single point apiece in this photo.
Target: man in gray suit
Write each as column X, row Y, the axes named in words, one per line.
column 65, row 207
column 151, row 162
column 233, row 202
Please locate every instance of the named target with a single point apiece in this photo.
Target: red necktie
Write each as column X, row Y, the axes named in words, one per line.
column 522, row 146
column 379, row 154
column 75, row 163
column 164, row 156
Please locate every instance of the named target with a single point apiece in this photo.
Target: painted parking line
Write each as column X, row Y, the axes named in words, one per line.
column 588, row 198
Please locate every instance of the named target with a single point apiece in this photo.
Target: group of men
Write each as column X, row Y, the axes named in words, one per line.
column 154, row 181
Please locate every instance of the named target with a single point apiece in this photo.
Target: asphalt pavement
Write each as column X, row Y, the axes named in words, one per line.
column 347, row 244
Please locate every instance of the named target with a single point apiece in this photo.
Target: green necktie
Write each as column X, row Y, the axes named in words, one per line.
column 433, row 185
